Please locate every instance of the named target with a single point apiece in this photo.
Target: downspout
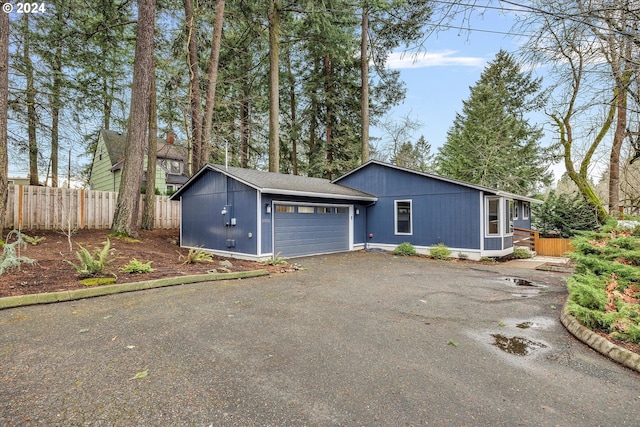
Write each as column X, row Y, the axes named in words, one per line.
column 366, row 225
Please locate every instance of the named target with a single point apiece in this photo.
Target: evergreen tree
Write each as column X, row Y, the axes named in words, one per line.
column 491, row 142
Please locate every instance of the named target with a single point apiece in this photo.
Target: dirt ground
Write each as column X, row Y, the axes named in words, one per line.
column 52, row 272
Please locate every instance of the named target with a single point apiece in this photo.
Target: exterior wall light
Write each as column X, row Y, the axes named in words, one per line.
column 224, row 211
column 267, row 208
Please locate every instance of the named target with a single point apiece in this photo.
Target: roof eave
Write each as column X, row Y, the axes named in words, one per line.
column 277, row 191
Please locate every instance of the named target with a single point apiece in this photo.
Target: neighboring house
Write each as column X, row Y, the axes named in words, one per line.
column 256, row 215
column 108, row 159
column 18, row 181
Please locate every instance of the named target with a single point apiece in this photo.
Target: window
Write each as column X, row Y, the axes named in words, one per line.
column 174, row 167
column 306, row 209
column 342, row 210
column 525, row 210
column 493, row 217
column 516, row 209
column 322, row 210
column 403, row 216
column 285, row 209
column 508, row 224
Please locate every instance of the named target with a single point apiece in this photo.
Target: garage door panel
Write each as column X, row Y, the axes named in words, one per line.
column 303, row 233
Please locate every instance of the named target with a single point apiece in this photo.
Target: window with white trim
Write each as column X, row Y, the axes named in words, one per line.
column 403, row 219
column 508, row 224
column 525, row 210
column 493, row 216
column 516, row 209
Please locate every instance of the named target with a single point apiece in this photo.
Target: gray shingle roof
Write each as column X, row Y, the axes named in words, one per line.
column 269, row 182
column 116, row 141
column 283, row 184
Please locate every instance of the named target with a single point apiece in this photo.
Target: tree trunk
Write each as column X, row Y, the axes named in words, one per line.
column 205, row 152
column 274, row 82
column 616, row 146
column 327, row 90
column 4, row 95
column 194, row 87
column 294, row 125
column 55, row 104
column 31, row 107
column 148, row 209
column 125, row 219
column 244, row 124
column 364, row 93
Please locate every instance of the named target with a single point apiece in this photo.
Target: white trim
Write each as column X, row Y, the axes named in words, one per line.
column 259, row 223
column 472, row 254
column 516, row 210
column 278, row 192
column 229, row 254
column 395, row 217
column 486, row 216
column 482, row 219
column 497, row 252
column 528, row 205
column 351, row 226
column 508, row 225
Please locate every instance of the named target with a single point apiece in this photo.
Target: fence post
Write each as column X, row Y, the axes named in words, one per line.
column 536, row 238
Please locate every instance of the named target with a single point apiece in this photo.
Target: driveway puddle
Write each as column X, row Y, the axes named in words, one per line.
column 516, row 345
column 527, row 288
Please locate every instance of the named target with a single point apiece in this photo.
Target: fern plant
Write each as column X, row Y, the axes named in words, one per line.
column 196, row 255
column 134, row 266
column 92, row 265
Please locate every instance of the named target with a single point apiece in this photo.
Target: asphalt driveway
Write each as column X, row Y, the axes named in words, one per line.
column 356, row 339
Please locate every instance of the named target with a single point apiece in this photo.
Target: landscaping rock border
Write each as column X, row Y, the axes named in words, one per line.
column 51, row 297
column 600, row 344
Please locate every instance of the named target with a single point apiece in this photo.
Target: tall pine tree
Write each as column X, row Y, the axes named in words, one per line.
column 491, row 143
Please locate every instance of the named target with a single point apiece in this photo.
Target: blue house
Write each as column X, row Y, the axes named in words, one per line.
column 256, row 215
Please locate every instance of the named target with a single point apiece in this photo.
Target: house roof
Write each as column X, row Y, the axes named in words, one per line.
column 116, row 142
column 283, row 184
column 442, row 178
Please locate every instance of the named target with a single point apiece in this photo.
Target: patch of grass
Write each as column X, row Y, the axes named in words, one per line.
column 405, row 249
column 196, row 255
column 136, row 267
column 97, row 281
column 439, row 251
column 92, row 264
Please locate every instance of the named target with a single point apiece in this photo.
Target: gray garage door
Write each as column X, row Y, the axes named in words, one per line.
column 305, row 230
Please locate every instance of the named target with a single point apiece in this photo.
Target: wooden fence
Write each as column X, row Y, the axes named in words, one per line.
column 31, row 207
column 541, row 245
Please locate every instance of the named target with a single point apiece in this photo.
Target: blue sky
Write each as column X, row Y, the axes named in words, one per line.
column 438, row 81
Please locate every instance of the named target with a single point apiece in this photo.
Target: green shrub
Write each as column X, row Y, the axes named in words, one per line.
column 405, row 249
column 588, row 290
column 134, row 267
column 32, row 240
column 562, row 215
column 521, row 253
column 276, row 260
column 462, row 255
column 196, row 255
column 10, row 258
column 92, row 265
column 439, row 251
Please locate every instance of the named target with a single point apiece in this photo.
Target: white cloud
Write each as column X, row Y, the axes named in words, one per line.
column 445, row 58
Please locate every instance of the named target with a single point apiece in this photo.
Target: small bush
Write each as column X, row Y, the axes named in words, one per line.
column 196, row 255
column 32, row 240
column 92, row 265
column 9, row 258
column 462, row 255
column 136, row 267
column 276, row 260
column 521, row 253
column 439, row 251
column 405, row 249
